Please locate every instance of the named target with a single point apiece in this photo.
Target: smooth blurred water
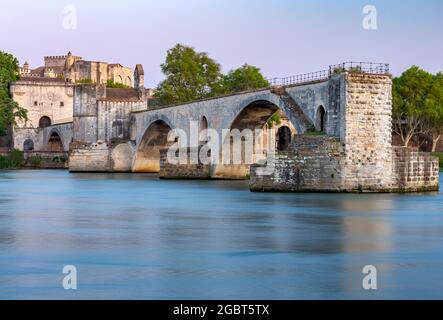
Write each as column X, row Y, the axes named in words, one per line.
column 136, row 237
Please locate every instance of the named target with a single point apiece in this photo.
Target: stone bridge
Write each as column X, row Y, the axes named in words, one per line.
column 309, row 107
column 351, row 151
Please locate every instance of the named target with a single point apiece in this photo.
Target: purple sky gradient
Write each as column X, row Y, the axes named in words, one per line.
column 282, row 37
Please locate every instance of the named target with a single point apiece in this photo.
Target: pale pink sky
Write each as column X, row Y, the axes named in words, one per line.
column 282, row 37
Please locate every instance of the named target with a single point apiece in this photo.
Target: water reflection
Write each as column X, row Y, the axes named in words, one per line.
column 134, row 236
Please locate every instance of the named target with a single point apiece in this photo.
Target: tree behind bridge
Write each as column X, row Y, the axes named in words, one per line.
column 434, row 110
column 10, row 111
column 409, row 103
column 192, row 75
column 244, row 78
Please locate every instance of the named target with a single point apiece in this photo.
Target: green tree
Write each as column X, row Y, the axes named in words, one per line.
column 434, row 110
column 410, row 109
column 10, row 111
column 190, row 76
column 274, row 120
column 244, row 78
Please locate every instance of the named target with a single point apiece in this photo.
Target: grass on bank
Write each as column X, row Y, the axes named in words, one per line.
column 13, row 160
column 440, row 156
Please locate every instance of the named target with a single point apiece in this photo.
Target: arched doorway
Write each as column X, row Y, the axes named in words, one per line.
column 28, row 145
column 321, row 119
column 44, row 122
column 148, row 154
column 203, row 134
column 55, row 143
column 284, row 137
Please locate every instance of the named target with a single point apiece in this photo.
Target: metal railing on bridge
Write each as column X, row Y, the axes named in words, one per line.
column 358, row 67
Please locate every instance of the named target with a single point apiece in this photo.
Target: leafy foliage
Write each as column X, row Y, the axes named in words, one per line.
column 85, row 81
column 440, row 156
column 244, row 78
column 10, row 111
column 434, row 110
column 112, row 84
column 13, row 160
column 410, row 91
column 190, row 75
column 274, row 120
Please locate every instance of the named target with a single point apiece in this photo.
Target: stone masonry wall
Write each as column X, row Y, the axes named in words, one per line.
column 40, row 136
column 44, row 99
column 362, row 160
column 89, row 157
column 367, row 131
column 46, row 160
column 414, row 170
column 317, row 164
column 311, row 164
column 114, row 156
column 183, row 171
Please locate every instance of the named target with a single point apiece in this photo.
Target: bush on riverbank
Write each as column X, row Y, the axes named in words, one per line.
column 440, row 156
column 13, row 160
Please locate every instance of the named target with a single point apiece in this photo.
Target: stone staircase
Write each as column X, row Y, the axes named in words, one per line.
column 295, row 114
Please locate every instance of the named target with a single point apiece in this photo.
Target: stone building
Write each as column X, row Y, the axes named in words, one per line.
column 74, row 69
column 102, row 121
column 47, row 93
column 47, row 100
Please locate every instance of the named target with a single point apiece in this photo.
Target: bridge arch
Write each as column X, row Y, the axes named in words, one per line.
column 155, row 138
column 252, row 116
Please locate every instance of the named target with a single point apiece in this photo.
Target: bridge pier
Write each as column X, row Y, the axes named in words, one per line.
column 361, row 159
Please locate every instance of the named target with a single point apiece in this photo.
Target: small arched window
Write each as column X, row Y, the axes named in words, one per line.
column 28, row 145
column 44, row 122
column 203, row 133
column 321, row 119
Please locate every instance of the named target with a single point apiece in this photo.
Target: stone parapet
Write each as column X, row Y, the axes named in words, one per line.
column 415, row 171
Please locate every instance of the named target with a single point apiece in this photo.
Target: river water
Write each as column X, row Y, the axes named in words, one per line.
column 137, row 237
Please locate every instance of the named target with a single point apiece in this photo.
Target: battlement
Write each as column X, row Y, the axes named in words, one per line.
column 59, row 61
column 61, row 57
